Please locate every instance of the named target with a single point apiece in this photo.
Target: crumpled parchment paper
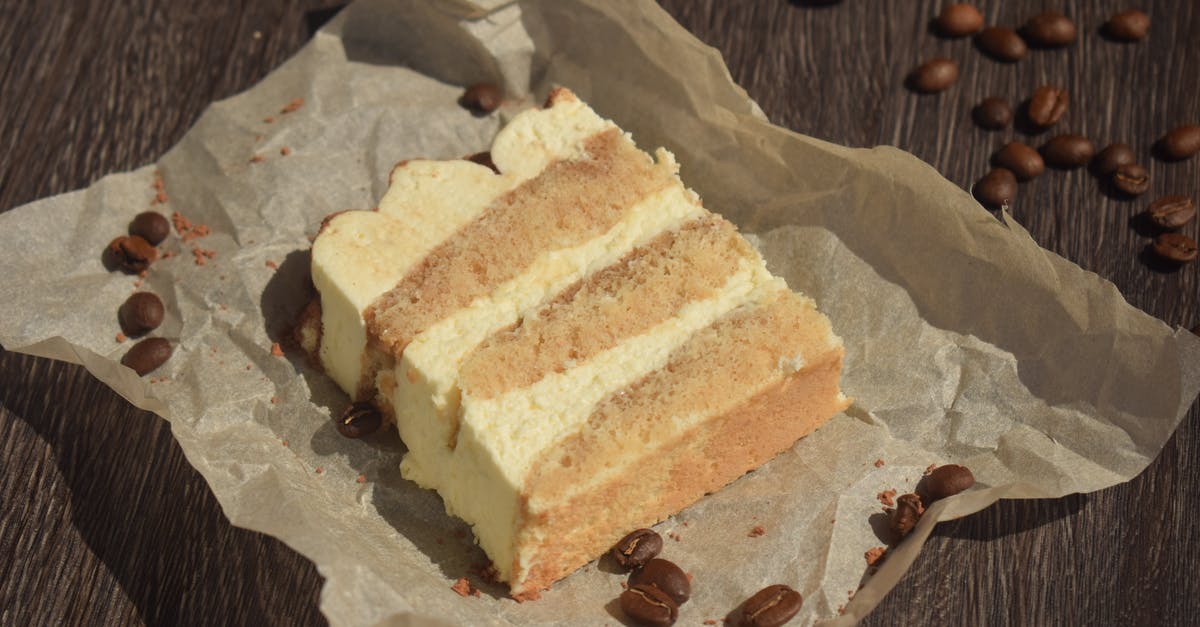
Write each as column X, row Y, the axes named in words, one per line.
column 965, row 341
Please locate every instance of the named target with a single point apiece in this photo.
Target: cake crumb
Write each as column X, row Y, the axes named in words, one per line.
column 320, row 470
column 167, row 254
column 248, row 366
column 293, row 105
column 710, row 621
column 269, row 119
column 885, row 497
column 120, row 338
column 361, row 479
column 274, row 400
column 930, row 468
column 875, row 555
column 276, row 350
column 285, row 151
column 285, row 442
column 462, row 587
column 257, row 159
column 757, row 531
column 272, row 265
column 188, row 230
column 258, row 138
column 879, row 463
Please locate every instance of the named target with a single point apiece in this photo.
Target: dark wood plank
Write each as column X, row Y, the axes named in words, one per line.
column 106, row 523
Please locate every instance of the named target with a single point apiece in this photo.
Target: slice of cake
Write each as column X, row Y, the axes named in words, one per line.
column 570, row 348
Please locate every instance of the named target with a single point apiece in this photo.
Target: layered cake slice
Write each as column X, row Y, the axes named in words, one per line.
column 570, row 347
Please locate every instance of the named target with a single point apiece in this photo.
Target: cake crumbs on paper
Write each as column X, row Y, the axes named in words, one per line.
column 202, row 255
column 320, row 470
column 361, row 479
column 257, row 159
column 276, row 349
column 293, row 105
column 274, row 400
column 160, row 190
column 121, row 338
column 464, row 588
column 272, row 265
column 757, row 531
column 879, row 463
column 285, row 151
column 885, row 497
column 875, row 555
column 930, row 468
column 188, row 230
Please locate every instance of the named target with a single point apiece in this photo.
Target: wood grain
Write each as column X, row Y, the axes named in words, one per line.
column 103, row 521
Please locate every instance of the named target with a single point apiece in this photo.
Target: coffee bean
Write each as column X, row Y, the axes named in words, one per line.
column 908, row 512
column 934, row 76
column 1002, row 44
column 1131, row 179
column 1047, row 105
column 647, row 605
column 1023, row 161
column 482, row 97
column 1068, row 151
column 993, row 113
column 132, row 254
column 359, row 420
column 1175, row 247
column 959, row 20
column 1129, row 25
column 140, row 314
column 1112, row 157
column 666, row 576
column 996, row 189
column 1181, row 142
column 1171, row 212
column 771, row 607
column 150, row 226
column 947, row 481
column 1049, row 30
column 637, row 548
column 147, row 355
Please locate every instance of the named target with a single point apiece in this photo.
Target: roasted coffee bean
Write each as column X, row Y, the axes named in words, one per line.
column 1049, row 30
column 934, row 76
column 1171, row 212
column 1047, row 105
column 1112, row 157
column 132, row 254
column 993, row 113
column 483, row 158
column 359, row 420
column 637, row 548
column 947, row 481
column 150, row 226
column 1175, row 247
column 1181, row 142
column 771, row 607
column 1003, row 44
column 147, row 355
column 647, row 605
column 666, row 576
column 1068, row 151
column 1129, row 25
column 1131, row 179
column 1023, row 161
column 140, row 314
column 482, row 97
column 908, row 512
column 959, row 20
column 996, row 189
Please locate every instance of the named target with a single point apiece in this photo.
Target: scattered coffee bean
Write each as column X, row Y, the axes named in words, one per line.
column 908, row 512
column 1023, row 161
column 147, row 355
column 1068, row 151
column 1181, row 142
column 771, row 607
column 934, row 76
column 1129, row 25
column 1047, row 105
column 637, row 548
column 140, row 314
column 1002, row 44
column 1112, row 157
column 666, row 576
column 150, row 226
column 1131, row 179
column 647, row 605
column 1049, row 30
column 1175, row 247
column 132, row 254
column 996, row 189
column 993, row 113
column 482, row 97
column 959, row 20
column 359, row 420
column 947, row 481
column 1171, row 212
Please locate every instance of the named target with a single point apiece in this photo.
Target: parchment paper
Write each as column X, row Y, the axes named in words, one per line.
column 965, row 341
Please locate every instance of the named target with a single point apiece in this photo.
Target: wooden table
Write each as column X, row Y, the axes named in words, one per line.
column 102, row 520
